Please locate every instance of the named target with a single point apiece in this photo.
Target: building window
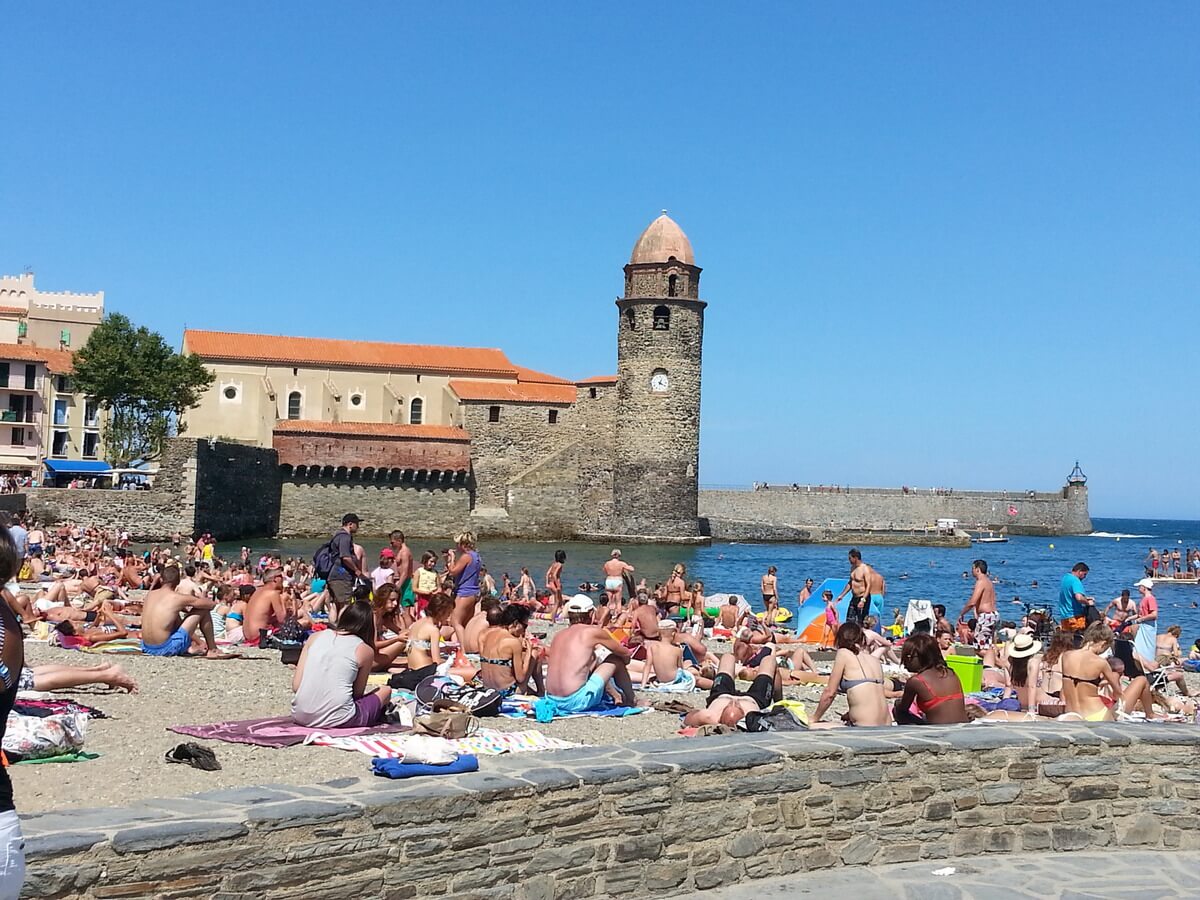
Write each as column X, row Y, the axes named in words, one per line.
column 356, row 400
column 662, row 318
column 493, row 414
column 671, row 285
column 631, row 319
column 64, row 337
column 62, row 440
column 4, row 374
column 295, row 404
column 91, row 414
column 60, row 412
column 554, row 417
column 18, row 437
column 63, row 384
column 230, row 392
column 592, row 393
column 416, row 411
column 30, row 376
column 91, row 444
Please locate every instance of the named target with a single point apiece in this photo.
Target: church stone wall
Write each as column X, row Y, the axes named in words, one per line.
column 503, row 450
column 316, row 507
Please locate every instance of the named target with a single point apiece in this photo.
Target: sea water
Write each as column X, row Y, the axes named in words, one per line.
column 1114, row 552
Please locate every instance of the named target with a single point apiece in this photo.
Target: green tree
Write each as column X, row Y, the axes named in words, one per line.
column 141, row 382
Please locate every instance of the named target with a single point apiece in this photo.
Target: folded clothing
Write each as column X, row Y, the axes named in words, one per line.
column 394, row 768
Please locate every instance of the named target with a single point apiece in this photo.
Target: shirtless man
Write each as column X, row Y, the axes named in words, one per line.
column 265, row 610
column 983, row 601
column 859, row 587
column 575, row 682
column 554, row 584
column 727, row 705
column 170, row 620
column 665, row 663
column 614, row 579
column 730, row 615
column 403, row 567
column 876, row 590
column 1119, row 610
column 487, row 616
column 645, row 620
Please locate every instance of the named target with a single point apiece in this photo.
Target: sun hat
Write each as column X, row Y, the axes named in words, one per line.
column 1024, row 645
column 1145, row 583
column 580, row 603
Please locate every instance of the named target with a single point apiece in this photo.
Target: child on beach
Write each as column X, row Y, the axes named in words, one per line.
column 831, row 621
column 425, row 581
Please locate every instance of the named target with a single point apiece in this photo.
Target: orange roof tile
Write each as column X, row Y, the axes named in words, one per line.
column 372, row 429
column 60, row 362
column 599, row 379
column 267, row 348
column 513, row 393
column 532, row 376
column 13, row 311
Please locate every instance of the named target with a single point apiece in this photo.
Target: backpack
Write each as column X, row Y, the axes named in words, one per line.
column 324, row 560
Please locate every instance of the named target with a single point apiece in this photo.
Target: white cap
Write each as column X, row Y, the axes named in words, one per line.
column 1145, row 583
column 666, row 624
column 580, row 603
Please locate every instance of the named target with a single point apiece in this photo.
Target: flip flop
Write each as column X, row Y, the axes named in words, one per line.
column 193, row 755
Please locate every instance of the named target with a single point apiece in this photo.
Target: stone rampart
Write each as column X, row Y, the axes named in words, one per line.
column 316, row 507
column 1065, row 512
column 664, row 817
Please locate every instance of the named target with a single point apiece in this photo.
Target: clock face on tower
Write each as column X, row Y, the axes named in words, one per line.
column 659, row 381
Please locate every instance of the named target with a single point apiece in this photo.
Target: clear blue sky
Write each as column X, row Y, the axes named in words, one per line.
column 942, row 244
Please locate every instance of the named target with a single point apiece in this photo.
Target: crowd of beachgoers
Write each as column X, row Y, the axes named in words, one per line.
column 369, row 634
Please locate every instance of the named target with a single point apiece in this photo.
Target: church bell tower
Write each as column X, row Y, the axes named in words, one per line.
column 660, row 333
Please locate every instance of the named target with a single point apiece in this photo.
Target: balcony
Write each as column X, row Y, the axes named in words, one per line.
column 18, row 385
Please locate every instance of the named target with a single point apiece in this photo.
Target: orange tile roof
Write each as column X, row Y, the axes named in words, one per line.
column 13, row 311
column 60, row 362
column 599, row 379
column 372, row 429
column 513, row 393
column 267, row 348
column 532, row 376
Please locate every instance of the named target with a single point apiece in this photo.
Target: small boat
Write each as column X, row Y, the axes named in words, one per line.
column 988, row 537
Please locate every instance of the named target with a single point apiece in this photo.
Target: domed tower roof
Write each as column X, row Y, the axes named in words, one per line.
column 662, row 240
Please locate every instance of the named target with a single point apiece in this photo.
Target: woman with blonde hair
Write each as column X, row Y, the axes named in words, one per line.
column 465, row 574
column 675, row 587
column 1085, row 671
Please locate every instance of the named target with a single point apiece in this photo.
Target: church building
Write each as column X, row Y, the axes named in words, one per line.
column 429, row 435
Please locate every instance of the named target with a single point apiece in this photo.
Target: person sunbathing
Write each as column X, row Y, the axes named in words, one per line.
column 390, row 634
column 489, row 609
column 106, row 626
column 425, row 655
column 933, row 686
column 666, row 663
column 857, row 673
column 507, row 658
column 1085, row 671
column 170, row 621
column 55, row 677
column 330, row 681
column 575, row 681
column 266, row 610
column 726, row 705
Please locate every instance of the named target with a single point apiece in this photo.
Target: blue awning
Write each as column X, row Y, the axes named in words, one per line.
column 77, row 467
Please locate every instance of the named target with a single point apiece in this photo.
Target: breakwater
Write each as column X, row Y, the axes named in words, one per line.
column 784, row 514
column 671, row 816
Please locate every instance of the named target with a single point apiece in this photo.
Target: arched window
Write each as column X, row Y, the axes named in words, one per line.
column 416, row 411
column 671, row 285
column 630, row 319
column 662, row 318
column 295, row 401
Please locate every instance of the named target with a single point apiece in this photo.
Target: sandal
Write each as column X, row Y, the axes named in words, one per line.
column 193, row 755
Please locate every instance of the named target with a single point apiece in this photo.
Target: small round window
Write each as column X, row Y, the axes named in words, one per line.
column 356, row 399
column 230, row 392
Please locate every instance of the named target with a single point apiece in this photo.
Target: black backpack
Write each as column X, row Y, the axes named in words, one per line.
column 324, row 560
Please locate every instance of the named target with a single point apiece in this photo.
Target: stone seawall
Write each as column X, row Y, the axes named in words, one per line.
column 317, row 507
column 861, row 509
column 664, row 817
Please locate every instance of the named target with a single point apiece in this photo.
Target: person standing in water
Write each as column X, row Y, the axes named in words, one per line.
column 554, row 583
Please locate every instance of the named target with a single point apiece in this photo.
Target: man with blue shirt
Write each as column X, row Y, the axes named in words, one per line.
column 1072, row 601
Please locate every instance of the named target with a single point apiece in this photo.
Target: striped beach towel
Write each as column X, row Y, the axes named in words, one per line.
column 484, row 742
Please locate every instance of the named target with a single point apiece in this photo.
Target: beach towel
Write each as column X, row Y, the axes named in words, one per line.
column 684, row 683
column 43, row 708
column 394, row 768
column 277, row 731
column 123, row 645
column 525, row 710
column 484, row 742
column 73, row 757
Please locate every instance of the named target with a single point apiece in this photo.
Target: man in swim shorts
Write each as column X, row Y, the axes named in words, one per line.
column 170, row 620
column 726, row 705
column 403, row 568
column 614, row 579
column 583, row 659
column 983, row 601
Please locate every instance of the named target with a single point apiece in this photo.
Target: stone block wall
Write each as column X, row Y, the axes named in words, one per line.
column 659, row 817
column 317, row 507
column 500, row 451
column 236, row 490
column 1065, row 512
column 147, row 515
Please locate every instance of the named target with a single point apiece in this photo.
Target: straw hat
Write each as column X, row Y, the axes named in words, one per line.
column 1024, row 645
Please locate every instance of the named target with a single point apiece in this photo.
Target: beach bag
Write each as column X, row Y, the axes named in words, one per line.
column 786, row 715
column 33, row 737
column 452, row 721
column 324, row 560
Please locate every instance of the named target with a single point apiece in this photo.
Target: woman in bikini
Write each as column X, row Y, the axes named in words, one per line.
column 858, row 675
column 933, row 686
column 390, row 633
column 1085, row 670
column 554, row 583
column 507, row 657
column 1023, row 663
column 424, row 644
column 675, row 587
column 770, row 594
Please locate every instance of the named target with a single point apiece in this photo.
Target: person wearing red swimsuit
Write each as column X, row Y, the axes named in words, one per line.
column 933, row 686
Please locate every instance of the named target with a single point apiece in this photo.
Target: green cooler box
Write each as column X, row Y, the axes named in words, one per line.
column 969, row 670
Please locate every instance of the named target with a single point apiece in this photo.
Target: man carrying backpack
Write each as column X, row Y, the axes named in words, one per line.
column 338, row 558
